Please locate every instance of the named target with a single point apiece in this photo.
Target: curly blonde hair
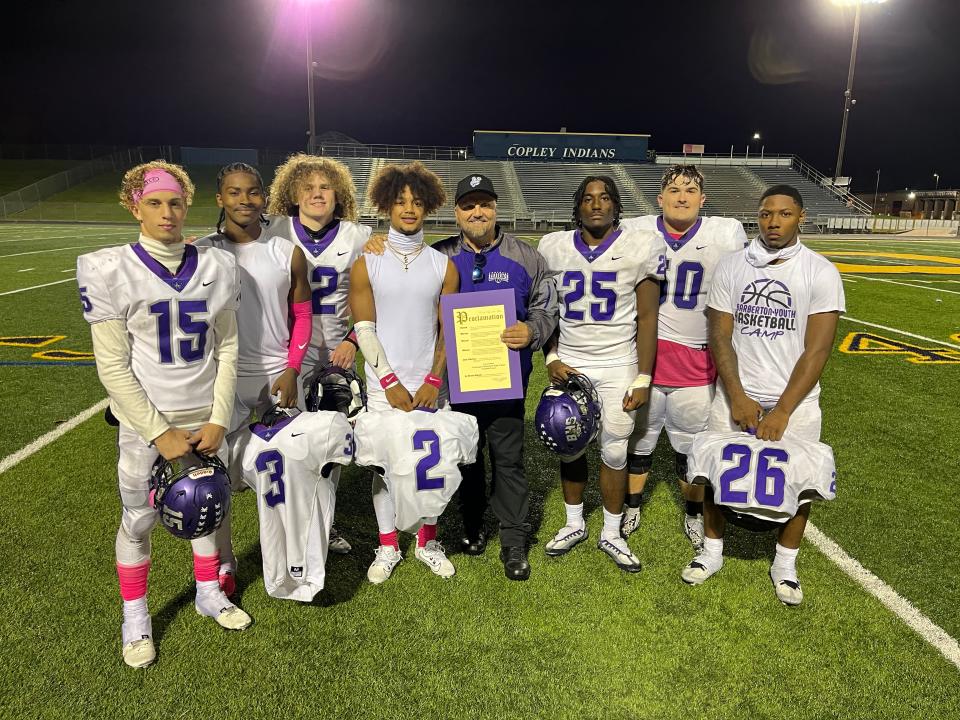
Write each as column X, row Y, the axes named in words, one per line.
column 297, row 168
column 133, row 181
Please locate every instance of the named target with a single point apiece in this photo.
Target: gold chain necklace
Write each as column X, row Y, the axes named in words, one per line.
column 406, row 258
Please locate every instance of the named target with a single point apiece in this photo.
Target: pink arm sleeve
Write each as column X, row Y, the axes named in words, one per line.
column 299, row 333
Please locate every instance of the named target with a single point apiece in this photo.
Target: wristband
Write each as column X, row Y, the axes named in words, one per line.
column 389, row 380
column 432, row 379
column 550, row 357
column 352, row 339
column 640, row 382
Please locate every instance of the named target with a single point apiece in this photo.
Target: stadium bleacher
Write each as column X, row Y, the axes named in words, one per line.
column 817, row 199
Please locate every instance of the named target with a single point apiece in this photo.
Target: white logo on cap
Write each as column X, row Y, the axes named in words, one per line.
column 474, row 181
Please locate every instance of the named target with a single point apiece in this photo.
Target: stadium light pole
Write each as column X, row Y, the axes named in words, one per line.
column 311, row 104
column 848, row 100
column 936, row 176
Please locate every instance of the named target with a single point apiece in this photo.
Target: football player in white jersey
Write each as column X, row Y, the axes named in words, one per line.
column 608, row 282
column 394, row 299
column 293, row 464
column 773, row 312
column 313, row 204
column 273, row 273
column 419, row 454
column 684, row 374
column 162, row 317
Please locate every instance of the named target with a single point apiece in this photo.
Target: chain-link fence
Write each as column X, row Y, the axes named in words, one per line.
column 20, row 203
column 101, row 212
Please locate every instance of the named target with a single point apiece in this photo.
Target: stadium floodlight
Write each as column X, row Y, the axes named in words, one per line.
column 756, row 136
column 848, row 100
column 911, row 196
column 936, row 176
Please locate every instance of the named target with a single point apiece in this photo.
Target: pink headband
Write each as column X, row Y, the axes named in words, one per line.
column 155, row 181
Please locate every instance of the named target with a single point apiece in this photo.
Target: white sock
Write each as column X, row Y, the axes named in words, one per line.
column 786, row 561
column 210, row 598
column 134, row 610
column 611, row 524
column 713, row 547
column 574, row 515
column 712, row 555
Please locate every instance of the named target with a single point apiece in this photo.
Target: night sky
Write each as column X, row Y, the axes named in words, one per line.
column 232, row 74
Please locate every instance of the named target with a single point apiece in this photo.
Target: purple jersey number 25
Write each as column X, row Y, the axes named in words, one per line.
column 599, row 311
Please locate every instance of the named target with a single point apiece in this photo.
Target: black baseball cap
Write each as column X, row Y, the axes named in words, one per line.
column 475, row 183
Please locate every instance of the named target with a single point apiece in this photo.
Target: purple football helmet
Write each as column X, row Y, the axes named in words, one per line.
column 568, row 417
column 191, row 493
column 336, row 389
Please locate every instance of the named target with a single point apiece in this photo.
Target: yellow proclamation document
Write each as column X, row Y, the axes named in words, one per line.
column 483, row 360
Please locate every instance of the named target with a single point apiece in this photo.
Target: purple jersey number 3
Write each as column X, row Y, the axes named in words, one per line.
column 427, row 440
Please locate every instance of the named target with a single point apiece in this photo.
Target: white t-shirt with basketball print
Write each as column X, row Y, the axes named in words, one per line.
column 770, row 306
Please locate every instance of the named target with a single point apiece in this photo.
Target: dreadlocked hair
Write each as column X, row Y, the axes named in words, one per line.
column 133, row 181
column 389, row 183
column 296, row 169
column 611, row 188
column 235, row 168
column 690, row 172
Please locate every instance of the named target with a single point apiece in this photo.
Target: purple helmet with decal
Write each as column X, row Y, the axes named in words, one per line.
column 336, row 389
column 191, row 493
column 568, row 417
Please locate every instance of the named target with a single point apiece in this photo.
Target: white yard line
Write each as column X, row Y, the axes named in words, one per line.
column 75, row 236
column 35, row 287
column 26, row 270
column 901, row 332
column 935, row 635
column 41, row 442
column 60, row 249
column 906, row 284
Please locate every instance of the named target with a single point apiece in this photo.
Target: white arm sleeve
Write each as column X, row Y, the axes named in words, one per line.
column 371, row 348
column 111, row 349
column 225, row 351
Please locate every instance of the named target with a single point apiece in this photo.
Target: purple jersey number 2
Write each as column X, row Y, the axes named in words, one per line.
column 427, row 440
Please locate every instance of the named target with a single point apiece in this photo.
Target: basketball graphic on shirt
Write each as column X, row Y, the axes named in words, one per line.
column 768, row 293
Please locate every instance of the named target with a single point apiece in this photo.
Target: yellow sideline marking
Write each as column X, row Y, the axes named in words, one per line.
column 862, row 343
column 31, row 341
column 62, row 355
column 953, row 263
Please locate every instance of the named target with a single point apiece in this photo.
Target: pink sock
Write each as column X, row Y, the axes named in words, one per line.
column 133, row 580
column 390, row 538
column 228, row 583
column 425, row 534
column 206, row 568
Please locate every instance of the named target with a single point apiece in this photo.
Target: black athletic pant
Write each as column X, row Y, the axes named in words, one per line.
column 501, row 430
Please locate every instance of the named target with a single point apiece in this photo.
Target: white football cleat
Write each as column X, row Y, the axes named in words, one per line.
column 701, row 568
column 565, row 540
column 387, row 558
column 338, row 543
column 138, row 650
column 693, row 528
column 786, row 585
column 631, row 520
column 434, row 557
column 620, row 553
column 214, row 603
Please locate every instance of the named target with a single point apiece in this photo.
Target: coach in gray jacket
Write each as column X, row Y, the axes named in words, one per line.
column 489, row 259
